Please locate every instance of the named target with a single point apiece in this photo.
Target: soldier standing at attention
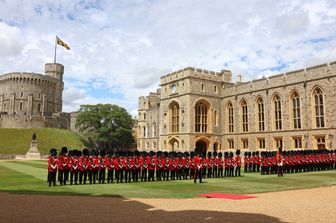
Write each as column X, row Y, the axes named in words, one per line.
column 198, row 168
column 52, row 167
column 279, row 159
column 237, row 163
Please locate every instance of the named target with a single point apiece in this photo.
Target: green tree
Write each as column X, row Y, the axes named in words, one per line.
column 105, row 126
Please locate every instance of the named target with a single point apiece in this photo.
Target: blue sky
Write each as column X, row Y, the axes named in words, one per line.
column 119, row 49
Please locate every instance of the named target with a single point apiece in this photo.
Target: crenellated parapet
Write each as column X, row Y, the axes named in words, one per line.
column 28, row 96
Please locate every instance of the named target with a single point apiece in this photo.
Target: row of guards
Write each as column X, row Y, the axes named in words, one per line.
column 90, row 166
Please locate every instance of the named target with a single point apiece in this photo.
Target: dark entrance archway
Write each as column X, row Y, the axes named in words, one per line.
column 201, row 146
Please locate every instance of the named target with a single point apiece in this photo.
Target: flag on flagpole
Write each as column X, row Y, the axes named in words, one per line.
column 62, row 43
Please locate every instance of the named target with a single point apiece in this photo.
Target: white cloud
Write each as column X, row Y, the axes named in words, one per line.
column 119, row 49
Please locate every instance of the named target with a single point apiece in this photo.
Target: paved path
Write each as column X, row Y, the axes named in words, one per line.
column 313, row 205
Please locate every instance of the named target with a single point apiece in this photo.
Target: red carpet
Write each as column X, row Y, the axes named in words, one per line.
column 227, row 196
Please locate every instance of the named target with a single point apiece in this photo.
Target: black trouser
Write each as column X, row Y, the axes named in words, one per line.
column 73, row 177
column 136, row 175
column 172, row 174
column 220, row 172
column 226, row 172
column 214, row 172
column 245, row 168
column 192, row 173
column 166, row 174
column 90, row 173
column 158, row 174
column 110, row 176
column 94, row 175
column 198, row 174
column 151, row 175
column 66, row 176
column 82, row 177
column 279, row 171
column 102, row 176
column 121, row 175
column 60, row 176
column 117, row 177
column 52, row 178
column 144, row 174
column 237, row 172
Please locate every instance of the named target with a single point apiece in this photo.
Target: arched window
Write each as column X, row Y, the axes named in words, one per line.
column 21, row 105
column 244, row 116
column 201, row 117
column 174, row 117
column 296, row 110
column 38, row 107
column 144, row 131
column 277, row 112
column 261, row 114
column 319, row 107
column 230, row 117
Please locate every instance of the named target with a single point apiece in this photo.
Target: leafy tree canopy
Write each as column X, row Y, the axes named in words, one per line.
column 105, row 126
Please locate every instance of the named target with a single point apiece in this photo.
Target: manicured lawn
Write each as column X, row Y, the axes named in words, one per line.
column 17, row 141
column 30, row 177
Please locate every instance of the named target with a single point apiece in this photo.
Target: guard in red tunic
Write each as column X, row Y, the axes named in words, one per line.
column 279, row 159
column 84, row 168
column 102, row 167
column 198, row 168
column 246, row 162
column 237, row 163
column 220, row 164
column 73, row 167
column 52, row 167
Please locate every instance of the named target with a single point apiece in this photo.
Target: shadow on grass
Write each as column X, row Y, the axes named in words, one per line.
column 45, row 208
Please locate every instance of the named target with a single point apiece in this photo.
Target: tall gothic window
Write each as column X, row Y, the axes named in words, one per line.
column 261, row 114
column 277, row 112
column 296, row 110
column 230, row 117
column 244, row 116
column 201, row 117
column 319, row 107
column 175, row 117
column 154, row 130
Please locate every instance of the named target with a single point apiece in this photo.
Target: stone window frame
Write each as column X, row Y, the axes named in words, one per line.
column 244, row 115
column 297, row 142
column 174, row 113
column 21, row 106
column 216, row 117
column 277, row 112
column 201, row 117
column 154, row 129
column 244, row 143
column 230, row 143
column 261, row 142
column 318, row 107
column 260, row 114
column 230, row 117
column 296, row 110
column 277, row 142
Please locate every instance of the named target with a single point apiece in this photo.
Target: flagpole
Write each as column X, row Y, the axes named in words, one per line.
column 55, row 49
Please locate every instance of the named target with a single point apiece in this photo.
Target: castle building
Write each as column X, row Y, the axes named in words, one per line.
column 30, row 100
column 196, row 108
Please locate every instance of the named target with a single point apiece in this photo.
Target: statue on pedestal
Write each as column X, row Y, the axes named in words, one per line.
column 33, row 153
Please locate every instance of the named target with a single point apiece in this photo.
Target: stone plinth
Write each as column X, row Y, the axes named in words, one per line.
column 33, row 153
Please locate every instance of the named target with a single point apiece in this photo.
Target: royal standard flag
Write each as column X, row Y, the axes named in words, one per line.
column 62, row 43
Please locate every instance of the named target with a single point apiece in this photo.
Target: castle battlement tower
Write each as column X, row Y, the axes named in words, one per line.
column 30, row 100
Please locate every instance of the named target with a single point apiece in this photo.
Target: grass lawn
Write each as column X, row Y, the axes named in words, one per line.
column 30, row 177
column 17, row 141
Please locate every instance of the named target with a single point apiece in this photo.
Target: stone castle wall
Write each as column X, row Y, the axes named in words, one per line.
column 30, row 100
column 190, row 86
